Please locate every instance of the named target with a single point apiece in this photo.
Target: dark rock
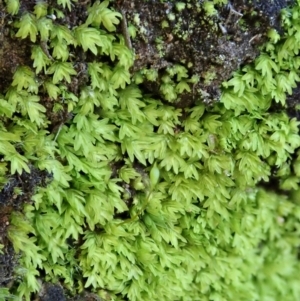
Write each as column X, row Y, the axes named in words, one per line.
column 52, row 292
column 210, row 46
column 8, row 262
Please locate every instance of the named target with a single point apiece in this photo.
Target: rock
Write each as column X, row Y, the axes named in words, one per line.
column 211, row 42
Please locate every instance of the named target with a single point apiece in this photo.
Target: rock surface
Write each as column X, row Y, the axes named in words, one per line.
column 211, row 45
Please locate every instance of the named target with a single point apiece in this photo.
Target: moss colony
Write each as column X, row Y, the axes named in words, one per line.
column 127, row 195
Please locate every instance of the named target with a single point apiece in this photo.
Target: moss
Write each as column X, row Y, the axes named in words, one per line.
column 126, row 176
column 209, row 76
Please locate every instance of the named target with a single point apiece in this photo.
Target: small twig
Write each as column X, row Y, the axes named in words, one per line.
column 232, row 11
column 223, row 28
column 125, row 29
column 193, row 91
column 257, row 36
column 44, row 47
column 59, row 129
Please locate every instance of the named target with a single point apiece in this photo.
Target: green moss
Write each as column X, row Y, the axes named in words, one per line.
column 180, row 6
column 171, row 16
column 164, row 24
column 209, row 76
column 209, row 8
column 144, row 191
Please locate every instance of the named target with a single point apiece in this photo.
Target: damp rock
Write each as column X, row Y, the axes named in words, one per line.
column 51, row 292
column 211, row 42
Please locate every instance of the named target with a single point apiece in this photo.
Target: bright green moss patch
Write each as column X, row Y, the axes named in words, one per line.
column 149, row 201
